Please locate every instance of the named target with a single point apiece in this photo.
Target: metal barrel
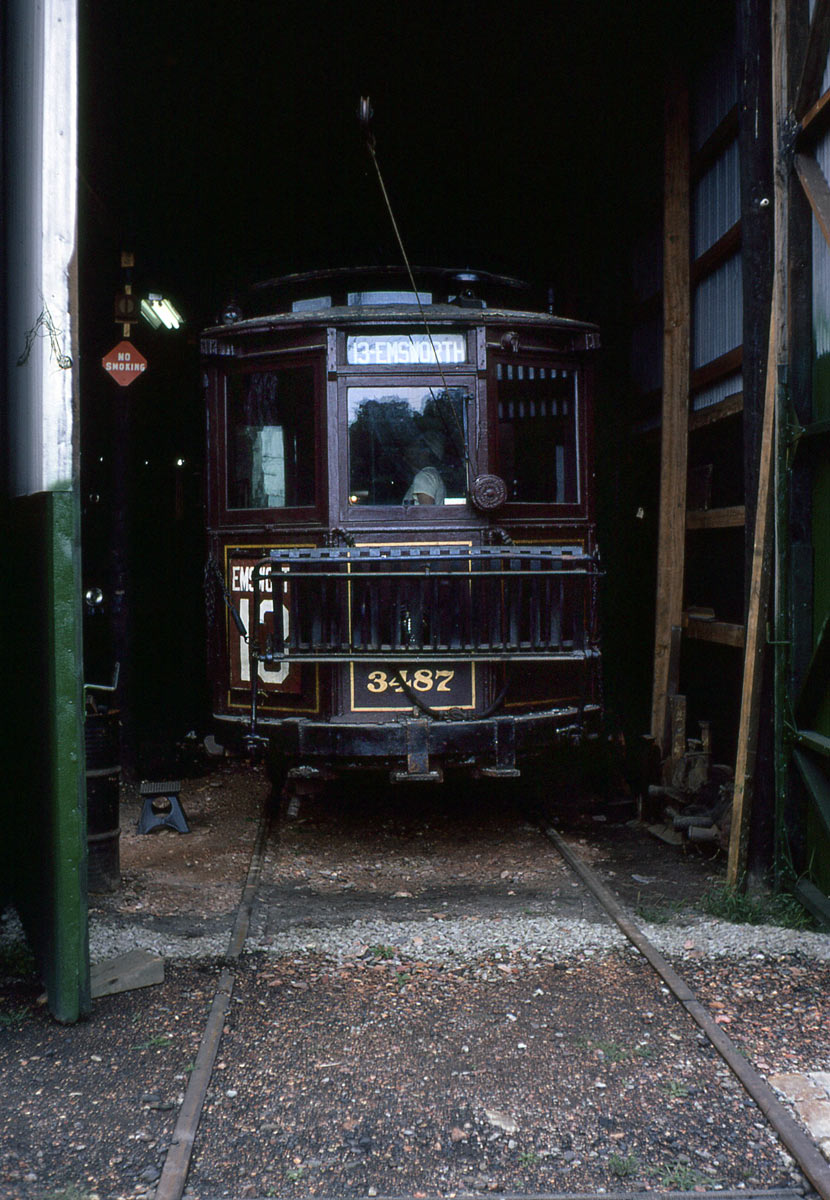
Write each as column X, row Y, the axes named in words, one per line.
column 103, row 773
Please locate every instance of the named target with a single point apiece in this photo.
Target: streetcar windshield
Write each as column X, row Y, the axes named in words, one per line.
column 406, row 445
column 270, row 439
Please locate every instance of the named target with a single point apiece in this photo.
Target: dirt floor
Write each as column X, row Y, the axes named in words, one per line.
column 383, row 1073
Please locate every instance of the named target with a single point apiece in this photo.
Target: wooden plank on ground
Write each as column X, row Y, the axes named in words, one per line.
column 135, row 969
column 675, row 409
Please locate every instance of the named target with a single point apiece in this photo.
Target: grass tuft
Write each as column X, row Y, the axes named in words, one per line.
column 11, row 1018
column 681, row 1177
column 777, row 908
column 660, row 912
column 623, row 1166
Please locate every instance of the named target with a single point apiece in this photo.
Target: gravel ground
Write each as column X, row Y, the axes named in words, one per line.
column 392, row 1077
column 423, row 1006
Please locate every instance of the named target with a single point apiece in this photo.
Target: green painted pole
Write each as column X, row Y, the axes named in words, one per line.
column 67, row 968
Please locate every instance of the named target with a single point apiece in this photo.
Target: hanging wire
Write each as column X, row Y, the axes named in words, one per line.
column 365, row 114
column 45, row 323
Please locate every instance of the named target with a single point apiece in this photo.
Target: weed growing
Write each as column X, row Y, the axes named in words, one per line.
column 681, row 1177
column 660, row 912
column 70, row 1192
column 613, row 1052
column 16, row 961
column 777, row 908
column 675, row 1089
column 380, row 951
column 623, row 1166
column 13, row 1018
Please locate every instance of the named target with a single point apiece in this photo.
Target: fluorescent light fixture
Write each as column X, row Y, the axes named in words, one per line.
column 150, row 315
column 157, row 311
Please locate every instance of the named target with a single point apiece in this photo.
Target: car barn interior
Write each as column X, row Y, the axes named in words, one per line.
column 626, row 160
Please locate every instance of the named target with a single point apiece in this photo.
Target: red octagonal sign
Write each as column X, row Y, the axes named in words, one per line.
column 124, row 363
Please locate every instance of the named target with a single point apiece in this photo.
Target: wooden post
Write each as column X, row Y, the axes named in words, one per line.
column 759, row 590
column 755, row 633
column 675, row 413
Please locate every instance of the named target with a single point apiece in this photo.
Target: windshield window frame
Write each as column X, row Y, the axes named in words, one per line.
column 370, row 514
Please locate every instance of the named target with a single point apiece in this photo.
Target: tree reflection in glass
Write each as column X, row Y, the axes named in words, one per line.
column 407, row 445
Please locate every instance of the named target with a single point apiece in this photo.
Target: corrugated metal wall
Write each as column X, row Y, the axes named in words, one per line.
column 714, row 93
column 821, row 264
column 717, row 297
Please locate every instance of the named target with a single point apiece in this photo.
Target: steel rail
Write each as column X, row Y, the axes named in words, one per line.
column 173, row 1177
column 797, row 1143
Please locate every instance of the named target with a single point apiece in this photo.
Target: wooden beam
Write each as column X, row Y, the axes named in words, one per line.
column 732, row 406
column 814, row 686
column 715, row 144
column 675, row 408
column 817, row 784
column 816, row 189
column 718, row 253
column 716, row 518
column 761, row 560
column 815, row 121
column 819, row 743
column 723, row 633
column 755, row 633
column 813, row 900
column 815, row 58
column 711, row 372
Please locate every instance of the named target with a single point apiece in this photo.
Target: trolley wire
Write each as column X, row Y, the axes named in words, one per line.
column 365, row 115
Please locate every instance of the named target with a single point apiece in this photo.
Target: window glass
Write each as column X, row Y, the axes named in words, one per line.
column 406, row 445
column 537, row 433
column 270, row 439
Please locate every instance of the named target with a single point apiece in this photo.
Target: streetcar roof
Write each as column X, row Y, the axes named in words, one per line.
column 384, row 295
column 397, row 314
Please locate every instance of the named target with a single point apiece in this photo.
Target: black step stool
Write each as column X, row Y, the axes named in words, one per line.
column 162, row 807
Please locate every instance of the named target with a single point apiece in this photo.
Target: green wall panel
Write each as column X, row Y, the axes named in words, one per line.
column 43, row 799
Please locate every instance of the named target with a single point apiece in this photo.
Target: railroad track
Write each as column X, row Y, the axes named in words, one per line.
column 798, row 1145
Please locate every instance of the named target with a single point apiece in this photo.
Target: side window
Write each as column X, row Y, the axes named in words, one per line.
column 537, row 433
column 270, row 439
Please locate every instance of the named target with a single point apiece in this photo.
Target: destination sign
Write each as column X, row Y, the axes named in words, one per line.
column 408, row 349
column 283, row 677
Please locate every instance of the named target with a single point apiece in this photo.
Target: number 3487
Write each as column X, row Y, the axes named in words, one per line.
column 422, row 680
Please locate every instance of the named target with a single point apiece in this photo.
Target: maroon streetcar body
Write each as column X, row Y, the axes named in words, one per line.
column 401, row 524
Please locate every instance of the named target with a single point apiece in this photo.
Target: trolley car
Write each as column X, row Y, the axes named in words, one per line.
column 402, row 559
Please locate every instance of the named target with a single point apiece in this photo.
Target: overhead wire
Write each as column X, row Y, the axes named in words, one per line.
column 365, row 114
